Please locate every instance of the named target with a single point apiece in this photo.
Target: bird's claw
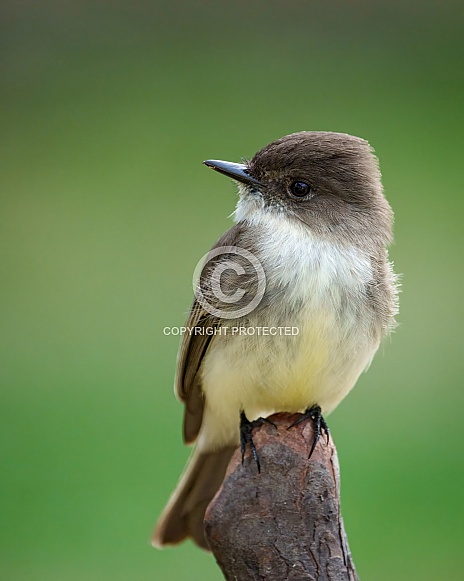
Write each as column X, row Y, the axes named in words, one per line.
column 314, row 413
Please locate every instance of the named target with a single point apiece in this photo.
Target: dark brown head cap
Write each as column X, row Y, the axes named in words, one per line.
column 343, row 174
column 331, row 162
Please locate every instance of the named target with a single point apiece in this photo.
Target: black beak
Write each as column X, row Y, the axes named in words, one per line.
column 236, row 171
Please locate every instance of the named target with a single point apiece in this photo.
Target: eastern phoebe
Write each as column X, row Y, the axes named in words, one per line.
column 308, row 253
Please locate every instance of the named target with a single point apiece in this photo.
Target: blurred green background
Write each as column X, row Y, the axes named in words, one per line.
column 108, row 109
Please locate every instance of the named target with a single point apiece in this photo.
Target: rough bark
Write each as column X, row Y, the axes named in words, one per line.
column 285, row 522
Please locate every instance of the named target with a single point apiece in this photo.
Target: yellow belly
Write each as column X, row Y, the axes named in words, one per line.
column 264, row 375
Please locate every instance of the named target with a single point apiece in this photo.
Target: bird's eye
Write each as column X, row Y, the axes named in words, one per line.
column 300, row 189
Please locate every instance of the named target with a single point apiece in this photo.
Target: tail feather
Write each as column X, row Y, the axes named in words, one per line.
column 184, row 514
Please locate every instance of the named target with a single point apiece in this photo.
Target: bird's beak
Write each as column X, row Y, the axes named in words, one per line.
column 236, row 171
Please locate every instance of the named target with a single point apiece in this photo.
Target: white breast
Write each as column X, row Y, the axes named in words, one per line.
column 319, row 287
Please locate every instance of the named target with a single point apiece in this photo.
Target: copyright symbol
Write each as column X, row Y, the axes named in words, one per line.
column 229, row 282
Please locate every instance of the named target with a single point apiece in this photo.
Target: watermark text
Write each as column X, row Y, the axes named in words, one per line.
column 232, row 331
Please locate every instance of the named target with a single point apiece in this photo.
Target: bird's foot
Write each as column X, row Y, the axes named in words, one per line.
column 314, row 413
column 246, row 429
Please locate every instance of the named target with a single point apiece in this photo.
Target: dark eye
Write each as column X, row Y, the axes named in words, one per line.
column 300, row 189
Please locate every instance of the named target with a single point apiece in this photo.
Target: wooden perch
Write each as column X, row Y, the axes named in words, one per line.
column 285, row 522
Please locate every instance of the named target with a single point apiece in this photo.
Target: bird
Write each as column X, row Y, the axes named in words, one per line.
column 308, row 252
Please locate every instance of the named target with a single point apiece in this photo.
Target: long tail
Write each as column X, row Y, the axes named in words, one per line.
column 183, row 515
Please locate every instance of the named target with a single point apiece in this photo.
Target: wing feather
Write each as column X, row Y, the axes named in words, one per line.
column 193, row 348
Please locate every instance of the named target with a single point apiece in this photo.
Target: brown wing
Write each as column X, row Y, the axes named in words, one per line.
column 188, row 384
column 191, row 352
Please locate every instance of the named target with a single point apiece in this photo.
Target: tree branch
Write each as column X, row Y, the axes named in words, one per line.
column 284, row 523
